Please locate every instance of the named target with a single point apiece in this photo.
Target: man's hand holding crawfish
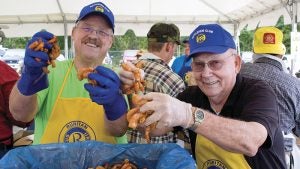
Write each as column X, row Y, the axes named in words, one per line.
column 107, row 92
column 33, row 79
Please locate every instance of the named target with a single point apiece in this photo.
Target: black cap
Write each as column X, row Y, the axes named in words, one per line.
column 163, row 32
column 185, row 40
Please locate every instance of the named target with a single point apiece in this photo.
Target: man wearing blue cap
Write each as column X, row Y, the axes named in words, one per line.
column 64, row 108
column 233, row 121
column 182, row 64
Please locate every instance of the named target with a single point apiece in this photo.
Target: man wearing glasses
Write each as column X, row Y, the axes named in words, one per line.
column 64, row 108
column 233, row 121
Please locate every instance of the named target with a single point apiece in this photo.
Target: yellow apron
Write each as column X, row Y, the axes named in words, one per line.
column 211, row 156
column 75, row 119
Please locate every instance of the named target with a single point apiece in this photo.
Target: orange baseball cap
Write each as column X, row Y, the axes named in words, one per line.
column 268, row 40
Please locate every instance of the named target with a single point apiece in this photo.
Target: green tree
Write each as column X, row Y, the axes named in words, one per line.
column 61, row 42
column 246, row 38
column 13, row 43
column 124, row 42
column 127, row 41
column 286, row 29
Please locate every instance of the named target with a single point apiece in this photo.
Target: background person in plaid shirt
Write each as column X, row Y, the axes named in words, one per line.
column 162, row 43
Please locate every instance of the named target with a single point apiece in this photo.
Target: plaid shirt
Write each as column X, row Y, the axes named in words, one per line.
column 286, row 87
column 159, row 78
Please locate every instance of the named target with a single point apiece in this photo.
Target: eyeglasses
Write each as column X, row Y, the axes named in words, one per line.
column 212, row 64
column 90, row 30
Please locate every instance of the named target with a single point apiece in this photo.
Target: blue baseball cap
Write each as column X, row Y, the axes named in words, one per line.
column 98, row 8
column 210, row 38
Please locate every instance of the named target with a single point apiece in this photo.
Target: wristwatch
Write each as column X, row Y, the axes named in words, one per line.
column 198, row 116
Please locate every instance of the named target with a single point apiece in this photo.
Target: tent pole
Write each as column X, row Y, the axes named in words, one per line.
column 294, row 16
column 66, row 40
column 236, row 35
column 294, row 35
column 65, row 30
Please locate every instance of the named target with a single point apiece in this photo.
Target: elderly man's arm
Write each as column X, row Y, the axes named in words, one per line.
column 233, row 135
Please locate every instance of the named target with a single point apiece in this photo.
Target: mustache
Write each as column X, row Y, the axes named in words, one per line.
column 95, row 41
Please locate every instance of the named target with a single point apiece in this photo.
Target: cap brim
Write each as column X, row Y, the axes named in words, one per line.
column 209, row 49
column 185, row 41
column 270, row 50
column 178, row 42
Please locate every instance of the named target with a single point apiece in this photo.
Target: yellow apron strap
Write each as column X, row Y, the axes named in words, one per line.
column 62, row 87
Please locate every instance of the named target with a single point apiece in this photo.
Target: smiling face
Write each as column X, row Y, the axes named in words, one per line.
column 92, row 38
column 215, row 74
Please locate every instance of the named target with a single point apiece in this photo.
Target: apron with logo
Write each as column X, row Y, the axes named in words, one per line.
column 75, row 119
column 211, row 156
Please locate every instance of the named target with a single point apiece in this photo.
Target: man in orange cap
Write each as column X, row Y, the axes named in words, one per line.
column 268, row 66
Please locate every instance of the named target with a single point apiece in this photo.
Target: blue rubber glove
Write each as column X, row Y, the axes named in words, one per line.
column 33, row 79
column 107, row 92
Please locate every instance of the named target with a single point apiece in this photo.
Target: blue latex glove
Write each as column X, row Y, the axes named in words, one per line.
column 107, row 92
column 33, row 79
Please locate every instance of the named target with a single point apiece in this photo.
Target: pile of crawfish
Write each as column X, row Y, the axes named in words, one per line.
column 126, row 164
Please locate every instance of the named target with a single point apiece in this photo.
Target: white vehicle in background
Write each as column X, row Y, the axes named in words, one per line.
column 14, row 58
column 107, row 60
column 61, row 57
column 129, row 55
column 2, row 51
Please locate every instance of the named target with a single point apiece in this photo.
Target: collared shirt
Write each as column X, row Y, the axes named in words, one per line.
column 285, row 86
column 159, row 78
column 182, row 65
column 239, row 105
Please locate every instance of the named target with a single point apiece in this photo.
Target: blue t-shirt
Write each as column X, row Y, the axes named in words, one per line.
column 182, row 65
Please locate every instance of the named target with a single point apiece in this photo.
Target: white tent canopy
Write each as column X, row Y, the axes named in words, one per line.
column 24, row 18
